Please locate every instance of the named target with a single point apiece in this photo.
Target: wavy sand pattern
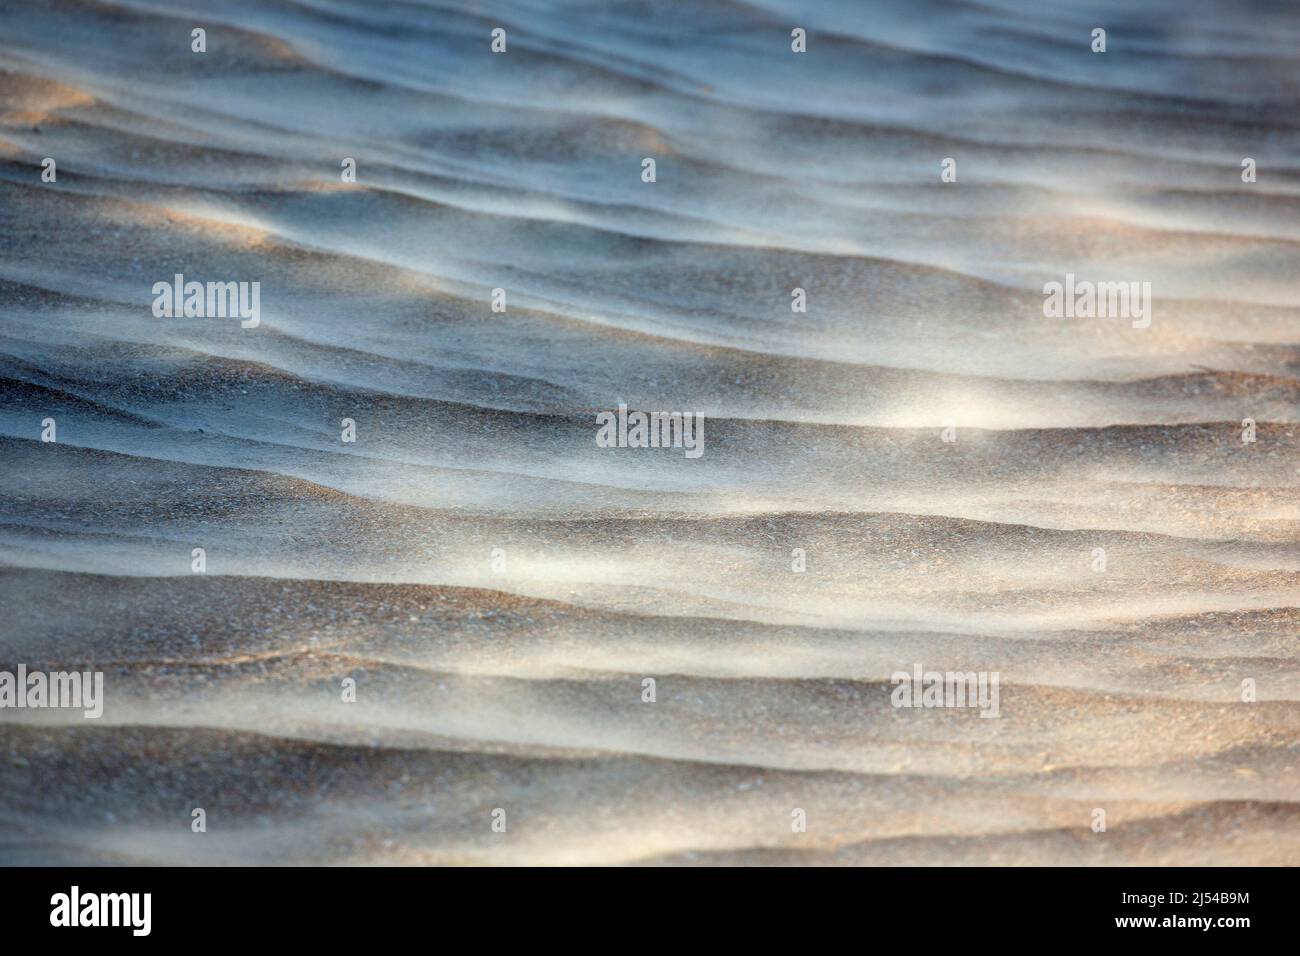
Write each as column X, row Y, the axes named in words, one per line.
column 520, row 687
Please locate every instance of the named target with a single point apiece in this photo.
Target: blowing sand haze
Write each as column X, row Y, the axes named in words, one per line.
column 763, row 432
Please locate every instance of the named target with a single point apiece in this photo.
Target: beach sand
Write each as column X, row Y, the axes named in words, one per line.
column 498, row 586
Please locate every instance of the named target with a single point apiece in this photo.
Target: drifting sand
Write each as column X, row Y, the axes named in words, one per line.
column 519, row 686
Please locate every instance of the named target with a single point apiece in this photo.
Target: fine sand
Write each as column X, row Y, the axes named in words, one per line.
column 497, row 585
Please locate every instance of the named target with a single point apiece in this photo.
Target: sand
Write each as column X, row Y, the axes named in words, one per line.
column 498, row 587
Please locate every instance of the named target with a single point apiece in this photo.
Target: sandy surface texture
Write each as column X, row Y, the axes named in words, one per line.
column 920, row 469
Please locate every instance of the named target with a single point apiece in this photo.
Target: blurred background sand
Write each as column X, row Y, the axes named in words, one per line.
column 519, row 686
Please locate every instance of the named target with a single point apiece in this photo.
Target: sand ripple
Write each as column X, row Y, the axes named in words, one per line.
column 482, row 686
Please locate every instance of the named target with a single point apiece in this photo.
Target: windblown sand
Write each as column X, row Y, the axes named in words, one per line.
column 497, row 585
